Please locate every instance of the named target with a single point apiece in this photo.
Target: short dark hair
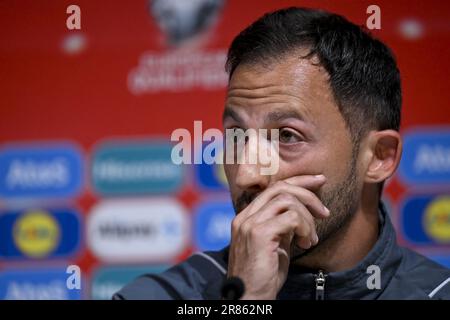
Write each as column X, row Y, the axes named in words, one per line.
column 363, row 72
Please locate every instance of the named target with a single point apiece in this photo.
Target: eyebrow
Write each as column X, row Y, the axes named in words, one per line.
column 280, row 115
column 230, row 113
column 273, row 116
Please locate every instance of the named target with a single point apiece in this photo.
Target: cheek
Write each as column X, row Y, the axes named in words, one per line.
column 230, row 173
column 307, row 159
column 298, row 167
column 337, row 166
column 331, row 160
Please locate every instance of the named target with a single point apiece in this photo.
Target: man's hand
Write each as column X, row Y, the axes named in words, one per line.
column 262, row 234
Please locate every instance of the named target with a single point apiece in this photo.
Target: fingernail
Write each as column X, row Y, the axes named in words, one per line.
column 319, row 176
column 309, row 245
column 327, row 211
column 316, row 239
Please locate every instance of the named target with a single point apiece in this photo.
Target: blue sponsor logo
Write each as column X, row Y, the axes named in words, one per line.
column 212, row 225
column 40, row 171
column 426, row 157
column 425, row 220
column 39, row 234
column 44, row 284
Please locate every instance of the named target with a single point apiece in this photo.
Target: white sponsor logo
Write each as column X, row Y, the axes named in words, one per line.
column 137, row 229
column 178, row 72
column 184, row 20
column 74, row 44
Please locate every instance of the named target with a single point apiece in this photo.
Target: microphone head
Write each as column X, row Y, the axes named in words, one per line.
column 233, row 288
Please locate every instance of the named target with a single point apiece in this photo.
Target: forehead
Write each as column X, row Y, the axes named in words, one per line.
column 294, row 83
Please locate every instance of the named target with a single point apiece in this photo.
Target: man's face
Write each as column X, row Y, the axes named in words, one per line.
column 295, row 97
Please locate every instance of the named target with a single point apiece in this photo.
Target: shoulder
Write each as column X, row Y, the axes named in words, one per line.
column 198, row 277
column 426, row 278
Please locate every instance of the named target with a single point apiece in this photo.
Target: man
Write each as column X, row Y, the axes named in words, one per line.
column 316, row 229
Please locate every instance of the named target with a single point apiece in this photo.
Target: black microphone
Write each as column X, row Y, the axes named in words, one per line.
column 233, row 288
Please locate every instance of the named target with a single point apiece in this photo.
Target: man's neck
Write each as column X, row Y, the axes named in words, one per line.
column 351, row 244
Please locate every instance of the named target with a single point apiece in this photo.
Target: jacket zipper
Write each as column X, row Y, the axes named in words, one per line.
column 320, row 285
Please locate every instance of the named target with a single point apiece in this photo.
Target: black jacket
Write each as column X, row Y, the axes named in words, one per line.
column 404, row 274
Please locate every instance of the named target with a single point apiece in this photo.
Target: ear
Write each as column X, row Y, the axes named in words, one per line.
column 384, row 149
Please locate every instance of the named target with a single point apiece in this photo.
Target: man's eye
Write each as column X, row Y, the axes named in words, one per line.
column 235, row 133
column 289, row 136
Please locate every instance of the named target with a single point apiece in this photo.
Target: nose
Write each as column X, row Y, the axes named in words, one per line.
column 248, row 175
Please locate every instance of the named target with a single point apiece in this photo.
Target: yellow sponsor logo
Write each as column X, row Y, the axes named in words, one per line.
column 437, row 219
column 36, row 233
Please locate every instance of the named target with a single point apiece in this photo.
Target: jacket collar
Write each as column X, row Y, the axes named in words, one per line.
column 352, row 283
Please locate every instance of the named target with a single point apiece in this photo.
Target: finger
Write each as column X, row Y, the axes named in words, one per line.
column 274, row 208
column 282, row 194
column 304, row 243
column 281, row 225
column 310, row 220
column 310, row 200
column 281, row 203
column 285, row 248
column 308, row 239
column 307, row 181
